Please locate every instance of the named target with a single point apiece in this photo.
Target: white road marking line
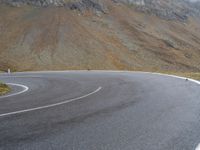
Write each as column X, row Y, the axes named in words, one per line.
column 51, row 105
column 25, row 88
column 198, row 147
column 161, row 74
column 184, row 78
column 104, row 71
column 68, row 71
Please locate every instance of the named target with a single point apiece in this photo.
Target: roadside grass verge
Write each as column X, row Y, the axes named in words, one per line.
column 4, row 89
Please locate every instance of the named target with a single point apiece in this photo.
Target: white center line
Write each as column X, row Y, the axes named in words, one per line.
column 51, row 105
column 198, row 147
column 25, row 89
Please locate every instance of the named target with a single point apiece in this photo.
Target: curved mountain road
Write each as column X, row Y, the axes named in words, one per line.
column 97, row 110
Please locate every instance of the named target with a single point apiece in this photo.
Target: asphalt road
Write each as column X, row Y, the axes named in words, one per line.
column 99, row 111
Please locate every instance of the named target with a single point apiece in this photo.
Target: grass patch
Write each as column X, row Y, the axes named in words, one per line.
column 4, row 89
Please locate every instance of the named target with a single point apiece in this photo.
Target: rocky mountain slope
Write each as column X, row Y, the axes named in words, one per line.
column 167, row 9
column 145, row 35
column 40, row 3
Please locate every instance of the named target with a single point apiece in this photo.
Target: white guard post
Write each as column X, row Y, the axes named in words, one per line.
column 9, row 71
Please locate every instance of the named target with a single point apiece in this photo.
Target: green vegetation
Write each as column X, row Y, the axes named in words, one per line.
column 4, row 89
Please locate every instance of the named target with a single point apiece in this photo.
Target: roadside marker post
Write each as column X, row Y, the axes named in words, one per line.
column 9, row 71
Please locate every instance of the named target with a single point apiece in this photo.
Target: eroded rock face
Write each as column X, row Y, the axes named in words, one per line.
column 135, row 2
column 41, row 3
column 82, row 5
column 166, row 9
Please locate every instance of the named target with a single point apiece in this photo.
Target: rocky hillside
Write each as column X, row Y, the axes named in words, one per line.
column 40, row 3
column 167, row 9
column 100, row 34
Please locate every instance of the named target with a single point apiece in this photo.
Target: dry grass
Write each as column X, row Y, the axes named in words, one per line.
column 4, row 89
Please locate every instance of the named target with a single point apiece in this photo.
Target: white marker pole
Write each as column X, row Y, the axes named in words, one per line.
column 8, row 70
